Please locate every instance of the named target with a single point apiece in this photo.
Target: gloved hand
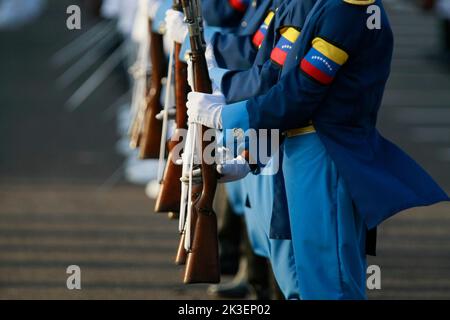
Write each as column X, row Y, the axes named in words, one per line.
column 229, row 169
column 233, row 170
column 176, row 28
column 206, row 109
column 223, row 154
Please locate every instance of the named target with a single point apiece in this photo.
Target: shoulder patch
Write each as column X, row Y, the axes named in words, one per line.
column 288, row 36
column 360, row 2
column 323, row 61
column 259, row 36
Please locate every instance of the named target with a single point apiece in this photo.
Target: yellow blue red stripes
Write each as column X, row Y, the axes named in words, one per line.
column 259, row 36
column 288, row 36
column 323, row 61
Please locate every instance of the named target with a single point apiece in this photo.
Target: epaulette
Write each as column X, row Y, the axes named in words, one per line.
column 360, row 2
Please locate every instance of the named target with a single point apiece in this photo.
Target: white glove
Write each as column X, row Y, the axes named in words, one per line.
column 232, row 170
column 176, row 28
column 209, row 55
column 223, row 154
column 229, row 170
column 206, row 109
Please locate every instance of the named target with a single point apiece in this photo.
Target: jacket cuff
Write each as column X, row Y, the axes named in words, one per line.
column 235, row 116
column 217, row 74
column 209, row 32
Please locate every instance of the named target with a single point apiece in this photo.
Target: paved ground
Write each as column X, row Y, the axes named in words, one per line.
column 54, row 212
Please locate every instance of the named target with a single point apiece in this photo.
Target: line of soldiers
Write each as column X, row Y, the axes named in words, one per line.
column 312, row 70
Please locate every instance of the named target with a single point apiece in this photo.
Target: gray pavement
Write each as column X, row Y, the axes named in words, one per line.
column 414, row 247
column 53, row 212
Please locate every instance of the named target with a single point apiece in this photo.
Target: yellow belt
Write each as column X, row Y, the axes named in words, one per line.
column 300, row 131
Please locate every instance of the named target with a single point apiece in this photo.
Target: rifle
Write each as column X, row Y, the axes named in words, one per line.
column 150, row 136
column 169, row 193
column 138, row 103
column 182, row 253
column 202, row 264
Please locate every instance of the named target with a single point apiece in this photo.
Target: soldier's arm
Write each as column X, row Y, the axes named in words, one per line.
column 233, row 51
column 238, row 52
column 286, row 28
column 293, row 100
column 242, row 85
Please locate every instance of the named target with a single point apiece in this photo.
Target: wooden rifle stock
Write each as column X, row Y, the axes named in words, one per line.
column 135, row 137
column 202, row 264
column 182, row 254
column 169, row 193
column 152, row 128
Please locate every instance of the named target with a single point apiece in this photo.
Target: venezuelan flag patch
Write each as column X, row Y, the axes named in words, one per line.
column 323, row 61
column 288, row 36
column 259, row 36
column 239, row 5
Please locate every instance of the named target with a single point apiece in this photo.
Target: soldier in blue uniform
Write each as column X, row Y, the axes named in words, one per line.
column 341, row 176
column 280, row 34
column 262, row 190
column 232, row 48
column 283, row 26
column 236, row 54
column 259, row 190
column 238, row 50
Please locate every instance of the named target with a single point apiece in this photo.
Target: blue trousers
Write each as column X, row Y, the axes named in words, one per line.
column 258, row 218
column 328, row 236
column 235, row 197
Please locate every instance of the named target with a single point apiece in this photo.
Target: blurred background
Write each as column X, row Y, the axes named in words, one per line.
column 72, row 193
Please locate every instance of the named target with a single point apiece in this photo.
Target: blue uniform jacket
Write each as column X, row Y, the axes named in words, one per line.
column 228, row 43
column 335, row 76
column 236, row 50
column 260, row 78
column 238, row 85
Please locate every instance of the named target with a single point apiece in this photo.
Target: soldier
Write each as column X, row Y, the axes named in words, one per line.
column 284, row 24
column 279, row 250
column 341, row 176
column 238, row 50
column 281, row 33
column 253, row 267
column 261, row 189
column 231, row 50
